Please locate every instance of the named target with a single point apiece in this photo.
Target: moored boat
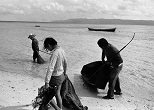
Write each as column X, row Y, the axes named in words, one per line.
column 107, row 30
column 37, row 25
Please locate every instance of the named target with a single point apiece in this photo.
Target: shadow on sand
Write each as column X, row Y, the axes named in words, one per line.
column 20, row 107
column 83, row 89
column 24, row 107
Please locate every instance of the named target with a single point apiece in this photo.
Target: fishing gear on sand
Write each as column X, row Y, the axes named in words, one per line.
column 113, row 56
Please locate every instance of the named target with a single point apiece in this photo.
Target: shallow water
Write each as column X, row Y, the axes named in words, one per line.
column 81, row 48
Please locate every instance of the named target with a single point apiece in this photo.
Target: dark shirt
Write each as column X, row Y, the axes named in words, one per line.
column 111, row 54
column 35, row 46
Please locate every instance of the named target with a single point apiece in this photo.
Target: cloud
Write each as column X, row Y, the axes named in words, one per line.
column 10, row 9
column 85, row 6
column 52, row 7
column 134, row 9
column 29, row 6
column 65, row 9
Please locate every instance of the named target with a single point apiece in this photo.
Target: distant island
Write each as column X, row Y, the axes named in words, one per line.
column 96, row 21
column 106, row 21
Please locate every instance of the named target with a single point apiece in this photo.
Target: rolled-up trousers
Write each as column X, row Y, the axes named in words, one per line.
column 35, row 55
column 114, row 83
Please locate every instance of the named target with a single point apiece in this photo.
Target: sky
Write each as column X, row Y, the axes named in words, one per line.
column 49, row 10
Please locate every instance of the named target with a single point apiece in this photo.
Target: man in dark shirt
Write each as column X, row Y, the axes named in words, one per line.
column 116, row 62
column 35, row 47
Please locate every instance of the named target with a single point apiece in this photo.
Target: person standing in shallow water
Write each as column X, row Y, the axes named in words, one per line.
column 35, row 48
column 115, row 60
column 55, row 73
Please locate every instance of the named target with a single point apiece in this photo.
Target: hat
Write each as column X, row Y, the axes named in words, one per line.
column 31, row 35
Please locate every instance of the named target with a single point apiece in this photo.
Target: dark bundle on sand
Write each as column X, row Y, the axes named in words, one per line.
column 69, row 97
column 96, row 74
column 40, row 60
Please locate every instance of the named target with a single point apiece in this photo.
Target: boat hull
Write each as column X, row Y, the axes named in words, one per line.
column 96, row 74
column 107, row 30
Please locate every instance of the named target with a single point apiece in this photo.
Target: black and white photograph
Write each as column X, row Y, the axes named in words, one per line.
column 76, row 54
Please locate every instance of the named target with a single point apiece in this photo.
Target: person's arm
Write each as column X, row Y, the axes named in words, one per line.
column 103, row 56
column 65, row 65
column 50, row 70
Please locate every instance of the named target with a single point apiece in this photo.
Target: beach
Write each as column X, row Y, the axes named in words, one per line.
column 20, row 78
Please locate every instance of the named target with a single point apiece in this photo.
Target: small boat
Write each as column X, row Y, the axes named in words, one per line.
column 96, row 74
column 107, row 30
column 37, row 25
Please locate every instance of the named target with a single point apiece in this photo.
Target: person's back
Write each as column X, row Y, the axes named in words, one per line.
column 111, row 53
column 35, row 44
column 61, row 59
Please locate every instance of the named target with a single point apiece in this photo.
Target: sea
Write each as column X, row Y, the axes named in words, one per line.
column 81, row 48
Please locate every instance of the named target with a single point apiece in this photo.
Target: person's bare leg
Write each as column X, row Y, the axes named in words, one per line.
column 53, row 104
column 58, row 97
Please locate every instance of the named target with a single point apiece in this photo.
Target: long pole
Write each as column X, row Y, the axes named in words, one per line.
column 126, row 44
column 113, row 56
column 44, row 52
column 40, row 50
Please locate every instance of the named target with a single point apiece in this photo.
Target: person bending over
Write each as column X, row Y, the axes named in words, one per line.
column 115, row 60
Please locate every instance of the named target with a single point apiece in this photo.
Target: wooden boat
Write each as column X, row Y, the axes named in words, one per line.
column 37, row 25
column 96, row 74
column 107, row 30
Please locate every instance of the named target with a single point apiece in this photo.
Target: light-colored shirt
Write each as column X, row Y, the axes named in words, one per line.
column 57, row 64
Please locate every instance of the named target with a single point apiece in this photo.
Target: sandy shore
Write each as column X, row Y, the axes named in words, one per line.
column 18, row 88
column 17, row 92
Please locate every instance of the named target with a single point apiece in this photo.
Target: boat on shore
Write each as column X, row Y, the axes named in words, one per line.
column 96, row 74
column 107, row 30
